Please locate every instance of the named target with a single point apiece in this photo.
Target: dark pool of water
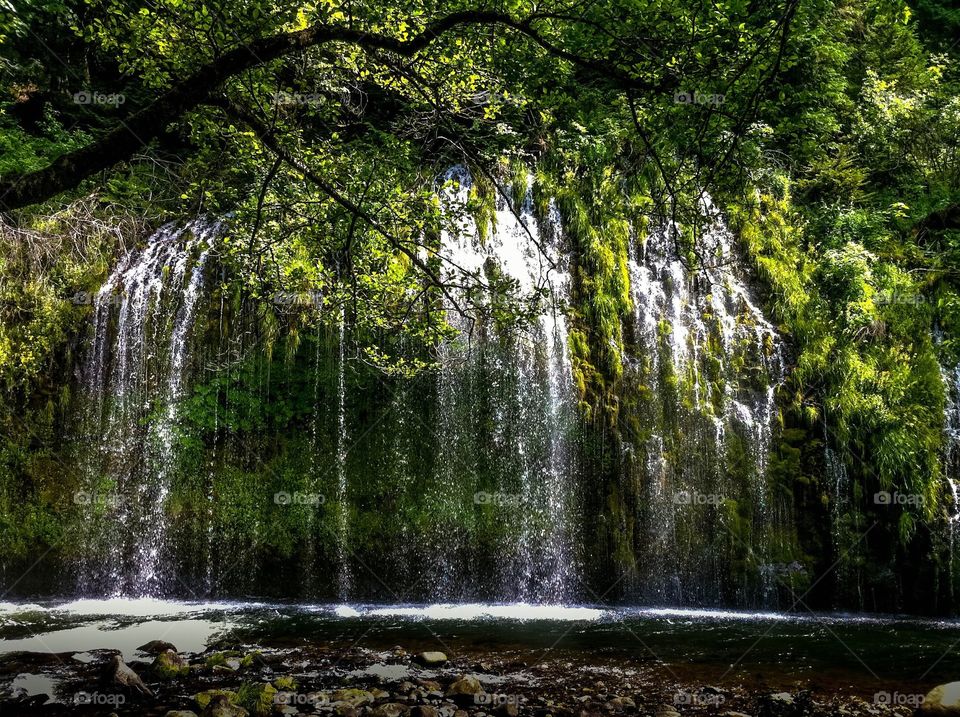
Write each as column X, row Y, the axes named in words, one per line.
column 824, row 651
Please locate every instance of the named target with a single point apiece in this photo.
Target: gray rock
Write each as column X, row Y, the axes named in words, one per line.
column 464, row 690
column 155, row 647
column 390, row 709
column 344, row 709
column 431, row 658
column 122, row 675
column 942, row 700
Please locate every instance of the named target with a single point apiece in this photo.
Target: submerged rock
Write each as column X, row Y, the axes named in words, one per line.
column 942, row 700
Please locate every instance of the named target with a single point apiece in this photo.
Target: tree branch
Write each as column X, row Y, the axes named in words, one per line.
column 143, row 126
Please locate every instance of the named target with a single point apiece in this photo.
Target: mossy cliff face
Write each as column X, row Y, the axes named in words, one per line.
column 724, row 421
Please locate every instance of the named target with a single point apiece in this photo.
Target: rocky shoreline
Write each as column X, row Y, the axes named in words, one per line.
column 360, row 682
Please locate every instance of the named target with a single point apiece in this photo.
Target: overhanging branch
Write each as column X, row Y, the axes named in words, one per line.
column 142, row 127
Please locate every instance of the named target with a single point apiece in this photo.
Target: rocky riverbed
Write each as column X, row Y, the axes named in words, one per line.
column 354, row 681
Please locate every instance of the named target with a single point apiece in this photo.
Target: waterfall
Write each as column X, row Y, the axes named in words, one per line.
column 344, row 580
column 521, row 467
column 132, row 385
column 951, row 461
column 710, row 365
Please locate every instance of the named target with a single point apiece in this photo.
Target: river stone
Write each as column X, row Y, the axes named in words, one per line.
column 180, row 713
column 432, row 658
column 155, row 647
column 221, row 706
column 424, row 711
column 204, row 698
column 466, row 685
column 353, row 696
column 390, row 709
column 942, row 700
column 344, row 709
column 430, row 685
column 169, row 665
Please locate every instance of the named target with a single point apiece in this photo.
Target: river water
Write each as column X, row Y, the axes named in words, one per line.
column 833, row 653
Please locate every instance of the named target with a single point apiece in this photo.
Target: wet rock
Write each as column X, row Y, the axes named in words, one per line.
column 205, row 698
column 221, row 706
column 619, row 704
column 783, row 704
column 353, row 696
column 424, row 711
column 155, row 647
column 508, row 709
column 431, row 659
column 257, row 698
column 731, row 713
column 379, row 694
column 179, row 713
column 169, row 665
column 344, row 709
column 390, row 709
column 666, row 711
column 285, row 682
column 464, row 690
column 430, row 685
column 942, row 700
column 120, row 674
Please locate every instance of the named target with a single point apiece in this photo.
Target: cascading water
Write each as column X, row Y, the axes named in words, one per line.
column 709, row 364
column 345, row 580
column 523, row 380
column 472, row 488
column 951, row 462
column 133, row 382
